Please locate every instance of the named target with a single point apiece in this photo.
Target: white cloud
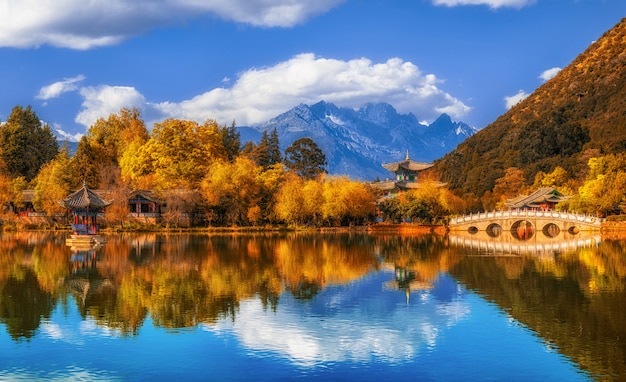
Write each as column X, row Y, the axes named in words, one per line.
column 56, row 89
column 104, row 100
column 346, row 336
column 494, row 4
column 260, row 94
column 64, row 135
column 549, row 74
column 78, row 24
column 515, row 99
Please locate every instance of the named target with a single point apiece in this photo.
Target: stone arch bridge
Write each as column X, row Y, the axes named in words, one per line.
column 524, row 223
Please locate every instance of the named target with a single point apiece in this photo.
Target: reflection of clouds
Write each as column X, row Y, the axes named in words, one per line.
column 72, row 374
column 89, row 327
column 76, row 335
column 59, row 333
column 350, row 333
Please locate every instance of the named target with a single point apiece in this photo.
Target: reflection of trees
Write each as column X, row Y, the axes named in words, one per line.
column 180, row 280
column 416, row 260
column 23, row 303
column 308, row 263
column 27, row 285
column 574, row 300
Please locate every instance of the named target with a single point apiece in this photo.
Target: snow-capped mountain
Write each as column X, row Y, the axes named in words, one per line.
column 357, row 142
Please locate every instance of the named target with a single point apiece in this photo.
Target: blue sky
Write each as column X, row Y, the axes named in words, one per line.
column 250, row 60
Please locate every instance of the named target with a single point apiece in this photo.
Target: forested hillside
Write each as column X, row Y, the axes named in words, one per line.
column 578, row 115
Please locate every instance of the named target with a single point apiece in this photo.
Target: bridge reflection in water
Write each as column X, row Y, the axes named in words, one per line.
column 508, row 243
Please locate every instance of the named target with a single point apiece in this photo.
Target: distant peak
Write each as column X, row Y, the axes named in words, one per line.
column 443, row 118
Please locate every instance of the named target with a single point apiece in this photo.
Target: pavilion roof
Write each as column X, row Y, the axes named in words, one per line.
column 83, row 198
column 407, row 164
column 542, row 195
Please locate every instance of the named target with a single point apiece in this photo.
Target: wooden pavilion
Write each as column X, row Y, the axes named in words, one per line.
column 84, row 205
column 544, row 199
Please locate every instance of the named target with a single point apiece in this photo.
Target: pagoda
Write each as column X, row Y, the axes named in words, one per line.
column 406, row 176
column 84, row 206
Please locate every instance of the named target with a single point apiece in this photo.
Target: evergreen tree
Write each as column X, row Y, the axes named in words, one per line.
column 26, row 144
column 267, row 152
column 273, row 149
column 305, row 158
column 261, row 151
column 85, row 165
column 231, row 141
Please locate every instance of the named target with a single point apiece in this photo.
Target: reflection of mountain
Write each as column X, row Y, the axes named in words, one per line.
column 273, row 291
column 574, row 299
column 357, row 325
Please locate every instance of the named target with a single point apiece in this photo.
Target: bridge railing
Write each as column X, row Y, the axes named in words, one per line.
column 482, row 216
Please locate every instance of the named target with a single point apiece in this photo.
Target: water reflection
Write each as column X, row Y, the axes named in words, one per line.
column 569, row 288
column 319, row 299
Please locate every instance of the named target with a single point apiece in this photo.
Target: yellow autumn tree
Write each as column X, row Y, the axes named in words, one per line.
column 53, row 184
column 270, row 181
column 508, row 186
column 347, row 201
column 313, row 199
column 289, row 205
column 604, row 190
column 181, row 152
column 136, row 166
column 105, row 143
column 233, row 189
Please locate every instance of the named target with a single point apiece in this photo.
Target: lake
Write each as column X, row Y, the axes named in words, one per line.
column 338, row 307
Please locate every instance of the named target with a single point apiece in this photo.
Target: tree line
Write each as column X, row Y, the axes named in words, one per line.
column 199, row 170
column 205, row 171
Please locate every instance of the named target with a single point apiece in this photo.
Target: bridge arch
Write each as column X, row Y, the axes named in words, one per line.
column 551, row 230
column 494, row 230
column 523, row 229
column 550, row 223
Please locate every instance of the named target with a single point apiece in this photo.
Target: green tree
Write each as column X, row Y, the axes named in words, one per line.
column 231, row 141
column 305, row 158
column 25, row 143
column 273, row 149
column 84, row 165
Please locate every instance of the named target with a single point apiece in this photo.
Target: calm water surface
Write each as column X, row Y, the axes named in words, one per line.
column 306, row 307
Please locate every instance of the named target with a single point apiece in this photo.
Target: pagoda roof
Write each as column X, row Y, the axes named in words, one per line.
column 407, row 164
column 148, row 195
column 542, row 195
column 83, row 198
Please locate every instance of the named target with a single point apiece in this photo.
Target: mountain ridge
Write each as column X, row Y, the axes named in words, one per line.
column 357, row 141
column 578, row 114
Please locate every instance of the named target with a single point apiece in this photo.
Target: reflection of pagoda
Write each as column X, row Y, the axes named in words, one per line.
column 406, row 176
column 407, row 280
column 84, row 205
column 84, row 280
